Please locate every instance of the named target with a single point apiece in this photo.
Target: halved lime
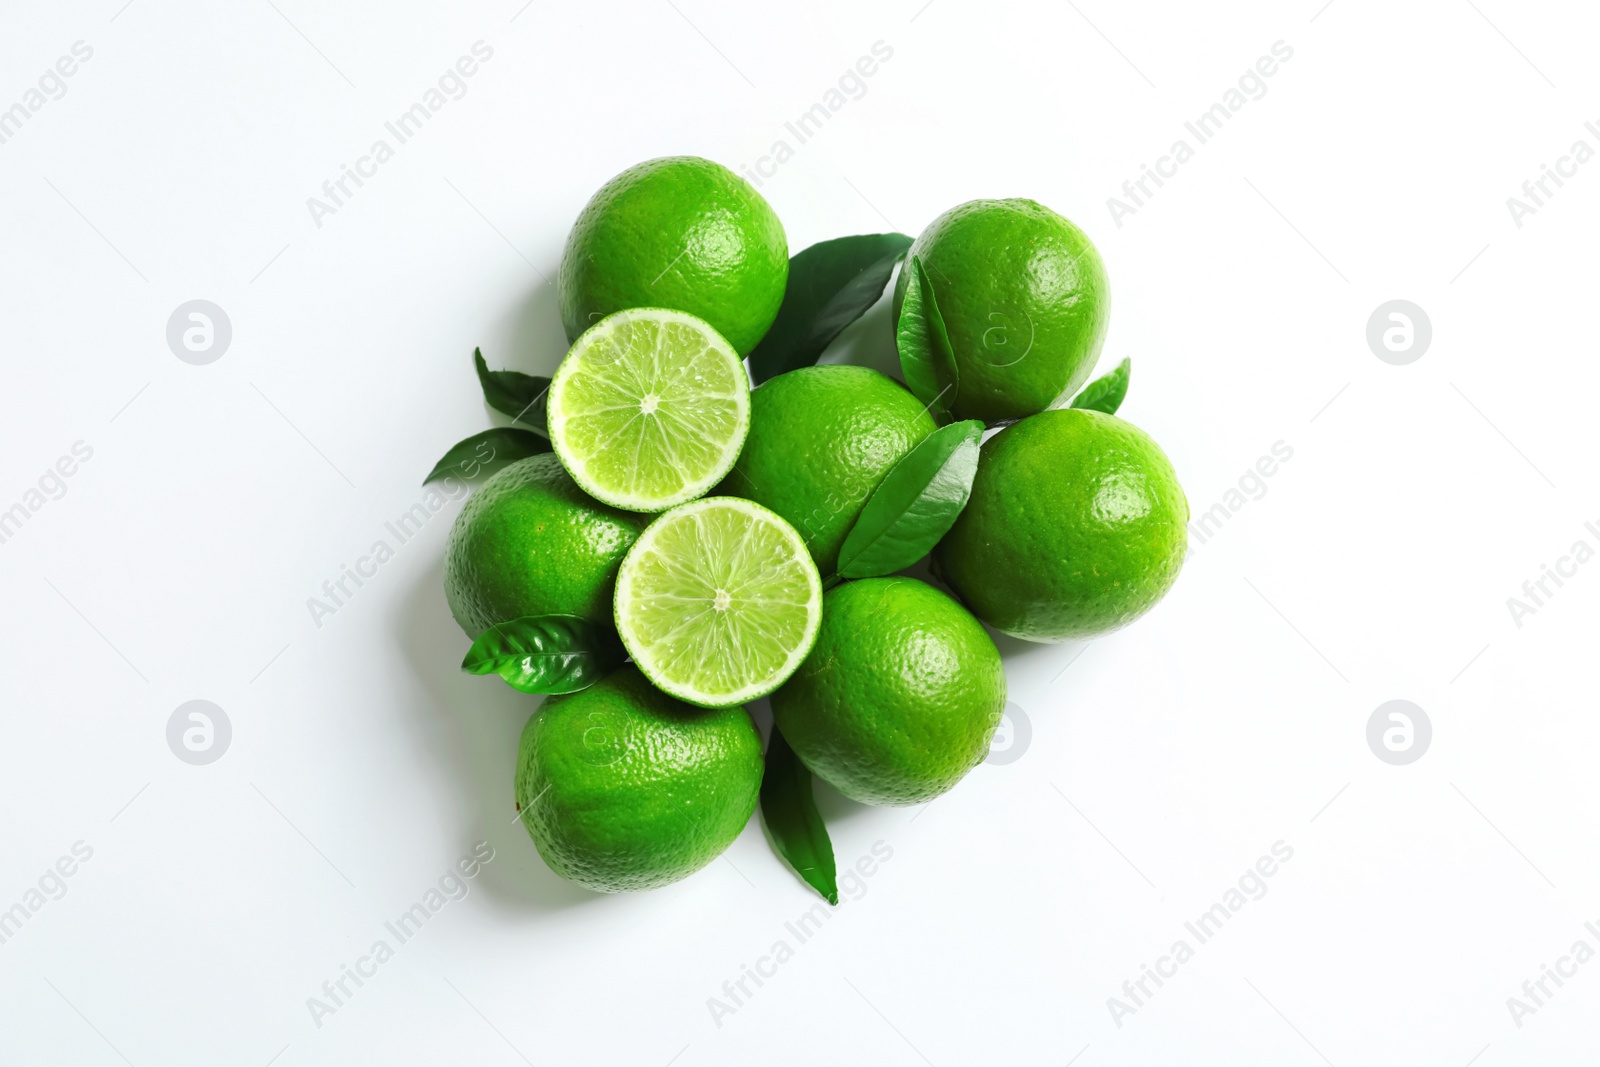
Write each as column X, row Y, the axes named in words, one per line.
column 649, row 409
column 718, row 601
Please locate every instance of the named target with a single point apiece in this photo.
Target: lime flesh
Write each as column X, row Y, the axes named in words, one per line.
column 718, row 601
column 649, row 409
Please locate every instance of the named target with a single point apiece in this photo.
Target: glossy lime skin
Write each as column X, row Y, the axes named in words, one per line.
column 623, row 788
column 1026, row 301
column 820, row 441
column 530, row 542
column 682, row 233
column 1076, row 526
column 900, row 695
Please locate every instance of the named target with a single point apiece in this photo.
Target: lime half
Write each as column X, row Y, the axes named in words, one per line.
column 718, row 601
column 649, row 409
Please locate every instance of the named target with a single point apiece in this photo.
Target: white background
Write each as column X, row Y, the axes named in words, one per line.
column 1164, row 759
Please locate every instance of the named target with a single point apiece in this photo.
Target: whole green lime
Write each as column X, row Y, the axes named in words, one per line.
column 820, row 441
column 622, row 787
column 1076, row 526
column 1025, row 299
column 900, row 694
column 682, row 233
column 530, row 542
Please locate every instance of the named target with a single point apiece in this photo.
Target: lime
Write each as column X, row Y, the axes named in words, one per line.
column 622, row 788
column 718, row 601
column 680, row 232
column 899, row 698
column 649, row 409
column 1076, row 526
column 821, row 439
column 529, row 542
column 1025, row 299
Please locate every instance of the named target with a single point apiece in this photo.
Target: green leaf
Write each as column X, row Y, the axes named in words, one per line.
column 915, row 504
column 926, row 358
column 513, row 393
column 790, row 812
column 831, row 285
column 546, row 653
column 484, row 453
column 1106, row 392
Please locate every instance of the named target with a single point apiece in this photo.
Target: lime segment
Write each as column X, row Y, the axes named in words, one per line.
column 649, row 409
column 718, row 601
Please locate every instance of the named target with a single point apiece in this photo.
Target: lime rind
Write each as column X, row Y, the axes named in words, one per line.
column 718, row 602
column 649, row 409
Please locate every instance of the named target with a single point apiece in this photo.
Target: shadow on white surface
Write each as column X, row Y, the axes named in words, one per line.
column 487, row 720
column 538, row 342
column 869, row 341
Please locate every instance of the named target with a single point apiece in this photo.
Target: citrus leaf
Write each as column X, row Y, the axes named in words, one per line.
column 915, row 504
column 926, row 358
column 790, row 812
column 546, row 653
column 513, row 393
column 486, row 452
column 1106, row 392
column 831, row 284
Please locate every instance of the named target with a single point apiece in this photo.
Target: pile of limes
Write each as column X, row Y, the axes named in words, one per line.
column 658, row 543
